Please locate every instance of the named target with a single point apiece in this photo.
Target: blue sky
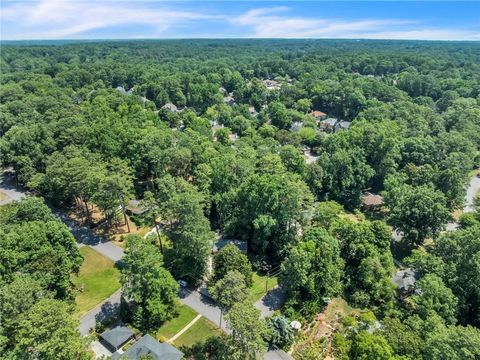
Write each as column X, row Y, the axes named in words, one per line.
column 121, row 19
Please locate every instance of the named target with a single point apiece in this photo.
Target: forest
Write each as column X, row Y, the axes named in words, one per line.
column 279, row 144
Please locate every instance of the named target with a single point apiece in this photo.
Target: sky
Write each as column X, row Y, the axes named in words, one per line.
column 122, row 19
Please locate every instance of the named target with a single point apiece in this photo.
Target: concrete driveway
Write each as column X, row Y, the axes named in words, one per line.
column 12, row 191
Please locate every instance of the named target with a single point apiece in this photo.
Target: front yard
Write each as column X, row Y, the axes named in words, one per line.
column 173, row 326
column 97, row 280
column 200, row 331
column 257, row 291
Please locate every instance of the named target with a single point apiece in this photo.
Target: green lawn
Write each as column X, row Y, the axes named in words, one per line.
column 200, row 331
column 258, row 287
column 171, row 327
column 97, row 280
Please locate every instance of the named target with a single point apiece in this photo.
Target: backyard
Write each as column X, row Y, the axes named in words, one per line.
column 97, row 280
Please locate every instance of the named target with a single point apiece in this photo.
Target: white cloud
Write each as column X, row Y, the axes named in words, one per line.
column 274, row 23
column 56, row 19
column 70, row 19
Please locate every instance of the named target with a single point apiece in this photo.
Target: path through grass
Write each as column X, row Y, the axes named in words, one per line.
column 200, row 331
column 173, row 326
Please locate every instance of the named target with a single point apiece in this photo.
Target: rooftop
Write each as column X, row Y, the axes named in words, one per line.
column 317, row 113
column 372, row 199
column 148, row 346
column 117, row 336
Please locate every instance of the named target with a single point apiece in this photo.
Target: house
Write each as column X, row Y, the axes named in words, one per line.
column 233, row 137
column 171, row 107
column 222, row 242
column 318, row 115
column 149, row 347
column 252, row 111
column 296, row 126
column 342, row 125
column 327, row 124
column 229, row 100
column 123, row 91
column 135, row 207
column 372, row 201
column 271, row 84
column 405, row 280
column 115, row 338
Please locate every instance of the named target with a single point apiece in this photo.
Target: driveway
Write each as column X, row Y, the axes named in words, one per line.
column 10, row 189
column 472, row 190
column 101, row 312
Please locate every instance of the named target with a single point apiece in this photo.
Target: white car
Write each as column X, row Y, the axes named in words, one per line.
column 182, row 283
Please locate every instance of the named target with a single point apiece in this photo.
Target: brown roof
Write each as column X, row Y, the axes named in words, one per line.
column 317, row 113
column 372, row 199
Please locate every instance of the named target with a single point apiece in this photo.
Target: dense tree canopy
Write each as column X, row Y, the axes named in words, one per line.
column 229, row 136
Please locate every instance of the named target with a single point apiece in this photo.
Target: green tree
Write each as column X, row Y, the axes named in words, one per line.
column 115, row 190
column 182, row 205
column 282, row 335
column 269, row 209
column 16, row 298
column 28, row 209
column 367, row 346
column 346, row 175
column 313, row 269
column 248, row 330
column 45, row 250
column 230, row 258
column 230, row 290
column 433, row 295
column 418, row 211
column 47, row 331
column 148, row 284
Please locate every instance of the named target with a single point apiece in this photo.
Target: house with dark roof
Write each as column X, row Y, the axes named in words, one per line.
column 327, row 124
column 405, row 280
column 342, row 125
column 149, row 346
column 114, row 339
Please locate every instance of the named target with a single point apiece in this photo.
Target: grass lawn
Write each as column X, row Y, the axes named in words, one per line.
column 171, row 327
column 200, row 331
column 97, row 280
column 258, row 287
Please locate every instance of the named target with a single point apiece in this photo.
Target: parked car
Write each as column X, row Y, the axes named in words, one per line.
column 182, row 283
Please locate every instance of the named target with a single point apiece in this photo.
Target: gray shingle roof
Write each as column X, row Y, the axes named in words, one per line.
column 117, row 336
column 147, row 345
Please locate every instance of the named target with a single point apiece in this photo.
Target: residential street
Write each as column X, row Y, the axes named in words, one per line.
column 192, row 298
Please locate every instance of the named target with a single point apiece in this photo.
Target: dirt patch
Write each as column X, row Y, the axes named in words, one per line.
column 317, row 335
column 3, row 196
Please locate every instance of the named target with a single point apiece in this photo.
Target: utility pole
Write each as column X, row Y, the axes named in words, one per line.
column 158, row 234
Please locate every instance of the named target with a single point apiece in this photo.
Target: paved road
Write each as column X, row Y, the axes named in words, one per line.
column 101, row 312
column 86, row 236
